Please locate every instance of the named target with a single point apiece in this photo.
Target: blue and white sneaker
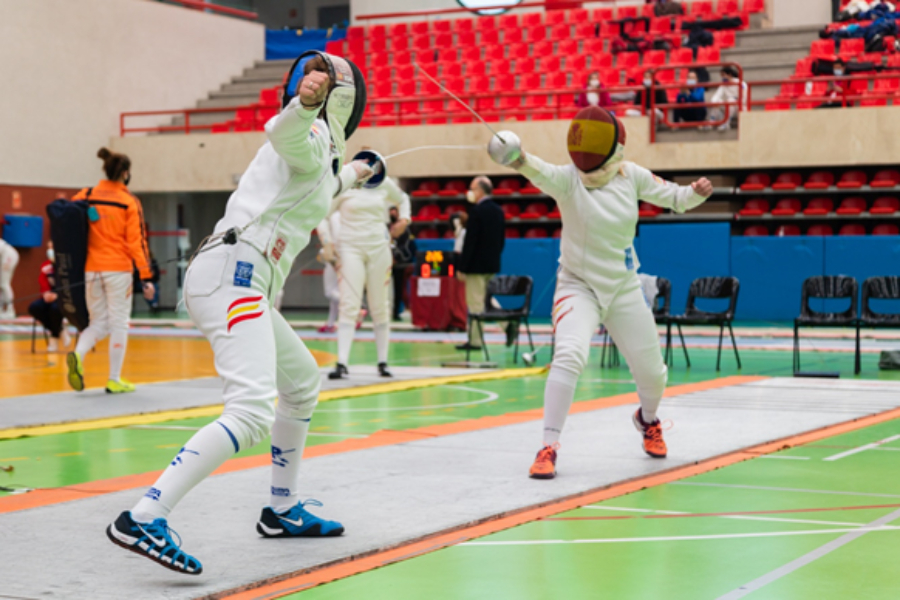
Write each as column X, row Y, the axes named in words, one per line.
column 296, row 522
column 153, row 541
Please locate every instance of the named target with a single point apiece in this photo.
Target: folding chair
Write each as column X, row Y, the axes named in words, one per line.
column 878, row 288
column 829, row 287
column 710, row 288
column 505, row 285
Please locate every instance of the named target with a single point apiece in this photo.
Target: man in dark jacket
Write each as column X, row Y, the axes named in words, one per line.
column 480, row 259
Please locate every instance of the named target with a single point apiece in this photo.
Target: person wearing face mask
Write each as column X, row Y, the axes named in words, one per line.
column 690, row 95
column 46, row 309
column 485, row 236
column 117, row 244
column 284, row 193
column 595, row 93
column 642, row 98
column 732, row 91
column 835, row 90
column 9, row 259
column 597, row 282
column 364, row 251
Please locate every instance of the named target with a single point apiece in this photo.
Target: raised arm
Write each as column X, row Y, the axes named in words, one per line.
column 505, row 148
column 292, row 134
column 680, row 198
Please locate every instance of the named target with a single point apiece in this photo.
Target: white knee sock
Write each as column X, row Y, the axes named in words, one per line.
column 288, row 441
column 200, row 456
column 382, row 341
column 346, row 331
column 118, row 343
column 558, row 395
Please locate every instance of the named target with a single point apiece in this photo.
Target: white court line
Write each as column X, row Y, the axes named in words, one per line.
column 780, row 489
column 738, row 517
column 490, row 397
column 862, row 448
column 685, row 538
column 748, row 588
column 783, row 457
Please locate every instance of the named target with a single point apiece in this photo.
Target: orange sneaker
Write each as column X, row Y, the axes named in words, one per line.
column 654, row 445
column 544, row 466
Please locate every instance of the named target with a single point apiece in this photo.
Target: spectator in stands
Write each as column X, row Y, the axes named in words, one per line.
column 46, row 309
column 732, row 90
column 480, row 260
column 691, row 95
column 595, row 93
column 403, row 247
column 459, row 221
column 116, row 246
column 9, row 259
column 642, row 98
column 836, row 87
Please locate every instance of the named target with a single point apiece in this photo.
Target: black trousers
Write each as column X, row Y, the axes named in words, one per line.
column 400, row 275
column 48, row 314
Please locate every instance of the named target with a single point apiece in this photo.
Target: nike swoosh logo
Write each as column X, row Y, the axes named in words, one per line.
column 294, row 523
column 156, row 542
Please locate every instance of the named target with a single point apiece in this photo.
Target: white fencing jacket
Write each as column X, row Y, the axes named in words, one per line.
column 288, row 189
column 364, row 214
column 599, row 225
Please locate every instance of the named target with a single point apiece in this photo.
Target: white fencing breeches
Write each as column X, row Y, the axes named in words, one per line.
column 109, row 296
column 9, row 259
column 576, row 317
column 366, row 271
column 260, row 358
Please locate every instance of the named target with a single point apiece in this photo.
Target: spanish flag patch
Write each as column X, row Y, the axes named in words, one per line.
column 244, row 309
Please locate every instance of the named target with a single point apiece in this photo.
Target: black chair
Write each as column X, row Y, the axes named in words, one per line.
column 828, row 287
column 715, row 288
column 505, row 285
column 878, row 288
column 661, row 306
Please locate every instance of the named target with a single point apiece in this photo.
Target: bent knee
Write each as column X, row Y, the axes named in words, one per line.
column 249, row 424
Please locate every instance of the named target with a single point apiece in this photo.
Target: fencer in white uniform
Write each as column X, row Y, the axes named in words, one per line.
column 285, row 192
column 597, row 281
column 9, row 259
column 331, row 228
column 364, row 252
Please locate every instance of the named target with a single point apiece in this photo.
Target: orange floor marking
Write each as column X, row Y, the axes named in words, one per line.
column 388, row 437
column 294, row 582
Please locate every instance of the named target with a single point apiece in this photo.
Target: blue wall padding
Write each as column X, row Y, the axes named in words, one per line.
column 23, row 231
column 682, row 253
column 287, row 44
column 771, row 271
column 863, row 256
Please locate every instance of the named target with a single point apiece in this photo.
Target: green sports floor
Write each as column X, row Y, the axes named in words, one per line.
column 795, row 509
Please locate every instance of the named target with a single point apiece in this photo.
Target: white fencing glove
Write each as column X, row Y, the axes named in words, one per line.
column 363, row 172
column 507, row 151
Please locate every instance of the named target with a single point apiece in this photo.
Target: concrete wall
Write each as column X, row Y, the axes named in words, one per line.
column 798, row 13
column 70, row 68
column 857, row 136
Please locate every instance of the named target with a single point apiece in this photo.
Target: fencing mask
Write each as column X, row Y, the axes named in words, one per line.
column 593, row 136
column 344, row 106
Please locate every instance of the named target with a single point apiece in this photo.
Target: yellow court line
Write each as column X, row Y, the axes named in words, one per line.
column 216, row 409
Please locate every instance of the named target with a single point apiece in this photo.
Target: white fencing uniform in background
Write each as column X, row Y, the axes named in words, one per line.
column 364, row 251
column 9, row 259
column 284, row 193
column 597, row 281
column 332, row 228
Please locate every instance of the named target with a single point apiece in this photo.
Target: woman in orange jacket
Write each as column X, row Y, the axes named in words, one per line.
column 117, row 244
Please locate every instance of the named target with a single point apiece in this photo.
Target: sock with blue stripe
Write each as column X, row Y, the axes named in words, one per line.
column 200, row 456
column 288, row 440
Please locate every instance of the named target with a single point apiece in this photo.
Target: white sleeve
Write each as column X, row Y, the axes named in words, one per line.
column 656, row 190
column 397, row 197
column 324, row 231
column 346, row 179
column 295, row 139
column 553, row 180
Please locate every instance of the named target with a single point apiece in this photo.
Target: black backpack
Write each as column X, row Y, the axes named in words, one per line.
column 69, row 232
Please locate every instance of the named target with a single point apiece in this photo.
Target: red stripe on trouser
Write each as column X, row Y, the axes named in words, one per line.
column 244, row 317
column 243, row 301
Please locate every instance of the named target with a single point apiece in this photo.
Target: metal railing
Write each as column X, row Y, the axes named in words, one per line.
column 225, row 10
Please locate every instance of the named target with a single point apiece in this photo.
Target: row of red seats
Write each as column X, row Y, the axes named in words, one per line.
column 820, row 180
column 868, row 99
column 458, row 187
column 430, row 233
column 794, row 230
column 700, row 9
column 804, row 65
column 787, row 207
column 795, row 89
column 534, row 210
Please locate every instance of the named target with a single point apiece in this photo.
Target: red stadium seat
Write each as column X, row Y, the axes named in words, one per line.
column 429, row 212
column 429, row 233
column 788, row 181
column 727, row 7
column 535, row 233
column 460, row 25
column 648, row 10
column 511, row 210
column 661, row 26
column 627, row 12
column 708, row 55
column 820, row 230
column 421, row 42
column 601, row 15
column 755, row 182
column 526, row 65
column 852, row 229
column 536, row 34
column 518, row 51
column 602, row 60
column 561, row 32
column 592, row 46
column 356, row 32
column 627, row 60
column 377, row 45
column 396, row 30
column 419, row 27
column 428, row 187
column 885, row 206
column 585, row 30
column 576, row 62
column 535, row 210
column 489, row 37
column 700, row 8
column 887, row 86
column 755, row 208
column 557, row 233
column 554, row 214
column 778, row 103
column 532, row 19
column 886, row 229
column 804, row 67
column 494, row 53
column 335, row 47
column 442, row 26
column 786, row 207
column 754, row 6
column 724, row 39
column 756, row 231
column 508, row 21
column 819, row 180
column 507, row 186
column 787, row 230
column 852, row 206
column 851, row 48
column 852, row 180
column 449, row 234
column 822, row 48
column 529, row 190
column 454, row 187
column 451, row 69
column 654, row 58
column 681, row 56
column 485, row 23
column 512, row 36
column 819, row 206
column 221, row 128
column 452, row 209
column 512, row 232
column 565, row 48
column 269, row 97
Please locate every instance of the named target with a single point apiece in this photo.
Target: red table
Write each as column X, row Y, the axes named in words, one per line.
column 438, row 303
